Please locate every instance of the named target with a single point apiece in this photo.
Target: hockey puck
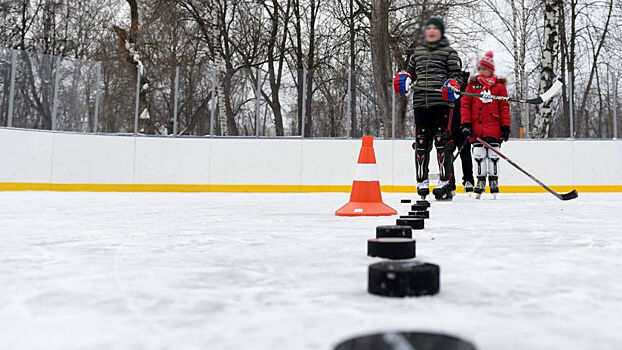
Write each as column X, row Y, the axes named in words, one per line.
column 393, row 231
column 423, row 203
column 405, row 201
column 420, row 214
column 417, row 207
column 411, row 217
column 406, row 341
column 391, row 248
column 414, row 223
column 401, row 279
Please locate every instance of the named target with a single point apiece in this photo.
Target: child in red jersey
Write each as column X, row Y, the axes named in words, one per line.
column 488, row 119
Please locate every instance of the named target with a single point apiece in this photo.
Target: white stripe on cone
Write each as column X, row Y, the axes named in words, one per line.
column 366, row 172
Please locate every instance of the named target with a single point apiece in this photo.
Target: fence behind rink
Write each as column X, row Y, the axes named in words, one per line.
column 45, row 92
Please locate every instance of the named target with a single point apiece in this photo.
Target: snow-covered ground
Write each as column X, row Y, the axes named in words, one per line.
column 280, row 271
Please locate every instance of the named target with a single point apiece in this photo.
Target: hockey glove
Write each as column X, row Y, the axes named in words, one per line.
column 465, row 129
column 505, row 132
column 449, row 90
column 401, row 83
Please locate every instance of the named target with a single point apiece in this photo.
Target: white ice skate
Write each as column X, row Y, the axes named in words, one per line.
column 423, row 188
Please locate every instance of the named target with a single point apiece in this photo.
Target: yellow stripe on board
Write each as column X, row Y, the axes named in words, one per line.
column 29, row 186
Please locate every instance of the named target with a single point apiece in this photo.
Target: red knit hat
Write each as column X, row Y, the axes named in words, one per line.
column 487, row 62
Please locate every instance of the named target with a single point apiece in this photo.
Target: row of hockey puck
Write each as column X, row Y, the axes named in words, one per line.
column 395, row 242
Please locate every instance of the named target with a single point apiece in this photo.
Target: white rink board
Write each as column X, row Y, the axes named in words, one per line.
column 156, row 160
column 65, row 158
column 25, row 156
column 79, row 158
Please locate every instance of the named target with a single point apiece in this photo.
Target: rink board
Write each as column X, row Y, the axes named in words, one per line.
column 39, row 160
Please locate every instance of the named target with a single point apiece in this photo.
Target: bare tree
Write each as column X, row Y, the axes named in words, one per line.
column 596, row 49
column 381, row 60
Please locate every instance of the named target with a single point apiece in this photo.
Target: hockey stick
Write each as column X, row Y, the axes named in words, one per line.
column 535, row 101
column 566, row 196
column 464, row 143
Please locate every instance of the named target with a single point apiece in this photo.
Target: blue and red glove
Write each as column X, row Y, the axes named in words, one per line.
column 401, row 83
column 448, row 90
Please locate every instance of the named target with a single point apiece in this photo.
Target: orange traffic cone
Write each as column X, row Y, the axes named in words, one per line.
column 366, row 198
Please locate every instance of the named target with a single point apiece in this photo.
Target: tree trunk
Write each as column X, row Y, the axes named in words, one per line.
column 220, row 75
column 314, row 6
column 571, row 62
column 274, row 75
column 299, row 64
column 562, row 129
column 381, row 61
column 352, row 76
column 550, row 53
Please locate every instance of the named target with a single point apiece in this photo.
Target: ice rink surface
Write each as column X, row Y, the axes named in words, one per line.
column 280, row 271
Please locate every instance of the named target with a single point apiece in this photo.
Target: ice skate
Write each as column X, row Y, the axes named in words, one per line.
column 423, row 188
column 443, row 191
column 468, row 187
column 480, row 187
column 494, row 186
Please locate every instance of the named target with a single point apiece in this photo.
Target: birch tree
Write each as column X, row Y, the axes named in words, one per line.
column 549, row 66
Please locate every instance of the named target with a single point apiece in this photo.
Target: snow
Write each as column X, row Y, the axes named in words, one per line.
column 280, row 271
column 144, row 114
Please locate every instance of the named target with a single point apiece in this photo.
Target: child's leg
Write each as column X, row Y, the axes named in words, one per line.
column 480, row 155
column 493, row 170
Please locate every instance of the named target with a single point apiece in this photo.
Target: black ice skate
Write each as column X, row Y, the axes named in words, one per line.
column 494, row 186
column 423, row 188
column 468, row 187
column 443, row 191
column 481, row 187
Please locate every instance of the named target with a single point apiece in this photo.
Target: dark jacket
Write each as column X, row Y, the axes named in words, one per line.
column 486, row 118
column 430, row 66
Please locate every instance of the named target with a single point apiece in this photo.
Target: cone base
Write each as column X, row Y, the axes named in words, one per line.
column 365, row 209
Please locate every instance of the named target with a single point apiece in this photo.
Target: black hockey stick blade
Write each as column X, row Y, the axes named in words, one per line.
column 464, row 143
column 535, row 101
column 570, row 195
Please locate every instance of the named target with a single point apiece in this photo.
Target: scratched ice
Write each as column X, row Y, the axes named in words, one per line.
column 280, row 271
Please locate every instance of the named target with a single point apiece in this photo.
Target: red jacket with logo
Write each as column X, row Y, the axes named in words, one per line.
column 486, row 116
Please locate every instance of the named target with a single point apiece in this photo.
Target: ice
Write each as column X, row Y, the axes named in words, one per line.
column 280, row 271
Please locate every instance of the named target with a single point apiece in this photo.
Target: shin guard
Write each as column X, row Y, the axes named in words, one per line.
column 445, row 152
column 422, row 146
column 480, row 156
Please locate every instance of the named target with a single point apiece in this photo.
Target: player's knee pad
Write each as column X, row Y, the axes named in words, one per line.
column 480, row 156
column 443, row 141
column 492, row 154
column 423, row 140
